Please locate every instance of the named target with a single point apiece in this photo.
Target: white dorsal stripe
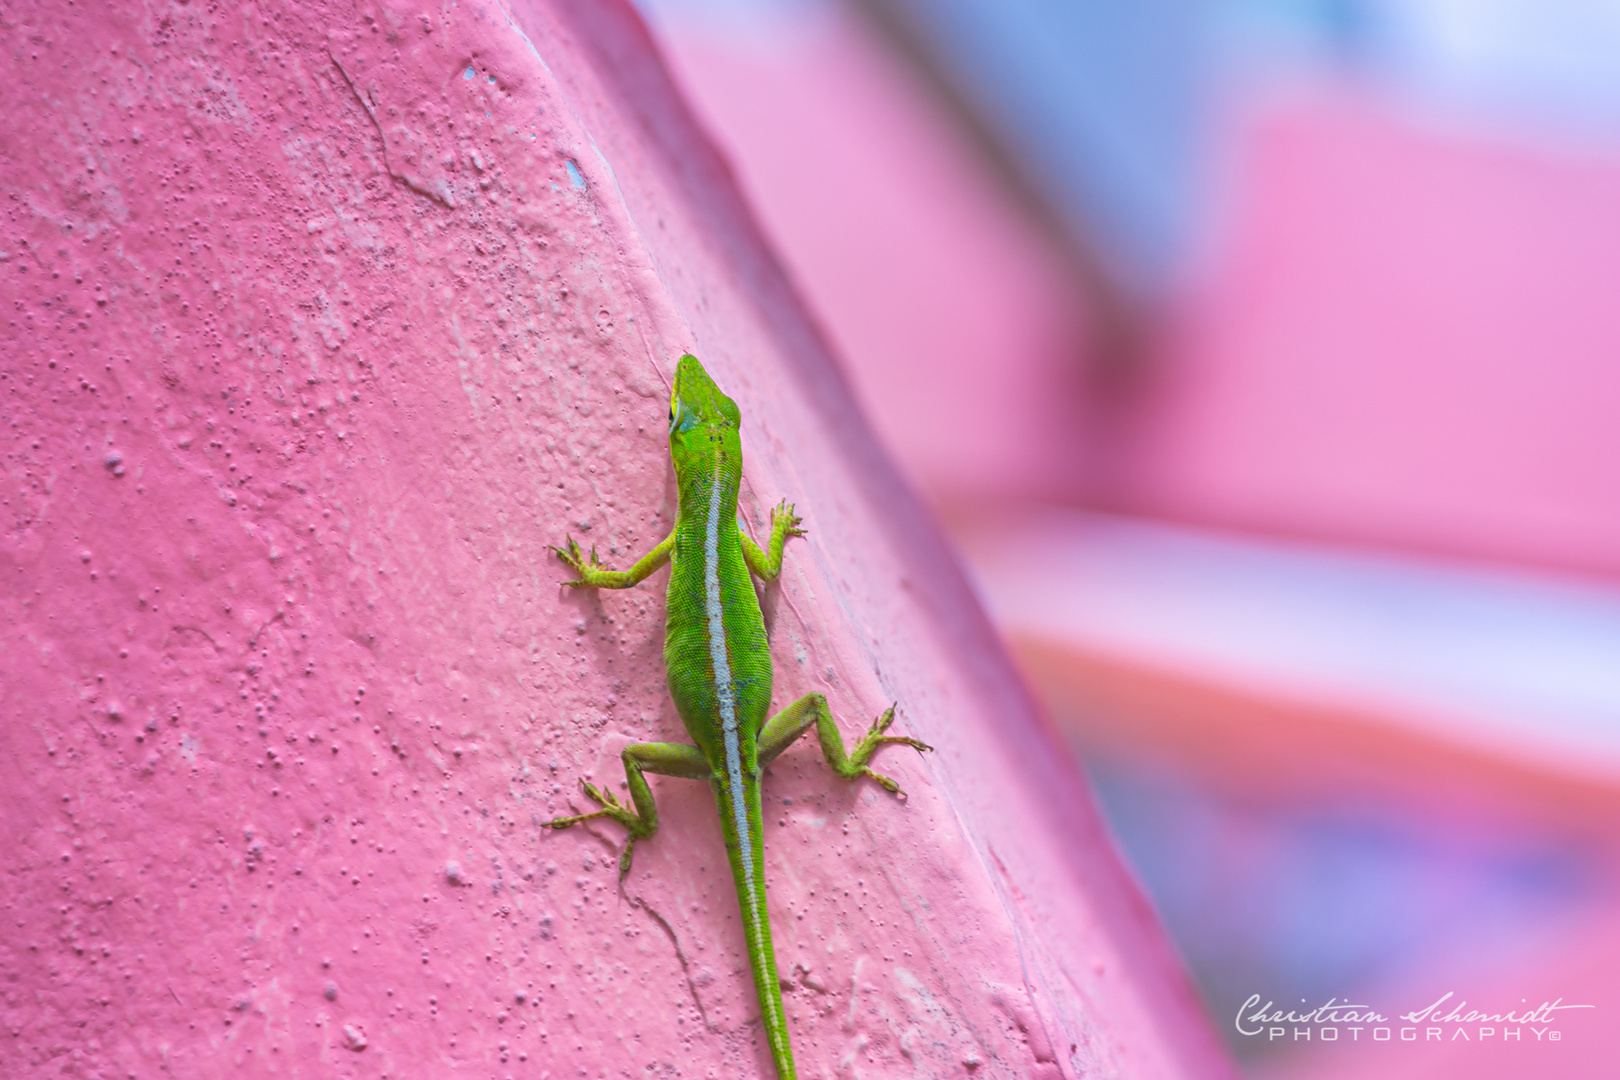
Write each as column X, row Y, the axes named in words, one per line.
column 723, row 688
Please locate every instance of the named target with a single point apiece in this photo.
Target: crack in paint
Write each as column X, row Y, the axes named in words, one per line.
column 680, row 954
column 439, row 194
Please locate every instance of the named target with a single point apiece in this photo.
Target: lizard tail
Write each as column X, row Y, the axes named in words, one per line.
column 744, row 833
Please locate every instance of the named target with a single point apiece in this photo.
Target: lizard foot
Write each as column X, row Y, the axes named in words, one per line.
column 875, row 738
column 611, row 808
column 576, row 558
column 784, row 512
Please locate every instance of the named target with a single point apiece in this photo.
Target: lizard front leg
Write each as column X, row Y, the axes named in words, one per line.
column 666, row 759
column 767, row 561
column 593, row 573
column 780, row 731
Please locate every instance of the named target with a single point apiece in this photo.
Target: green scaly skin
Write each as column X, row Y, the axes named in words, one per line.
column 719, row 670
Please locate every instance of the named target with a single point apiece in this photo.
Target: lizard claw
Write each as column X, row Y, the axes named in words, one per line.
column 574, row 557
column 884, row 782
column 876, row 737
column 880, row 726
column 570, row 554
column 574, row 819
column 600, row 796
column 784, row 510
column 611, row 807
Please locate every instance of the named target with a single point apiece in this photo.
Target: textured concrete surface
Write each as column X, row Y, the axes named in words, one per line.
column 319, row 324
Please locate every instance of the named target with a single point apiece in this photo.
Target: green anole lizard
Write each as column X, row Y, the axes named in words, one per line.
column 719, row 669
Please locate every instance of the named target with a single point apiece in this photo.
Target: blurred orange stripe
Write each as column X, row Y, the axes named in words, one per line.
column 1280, row 745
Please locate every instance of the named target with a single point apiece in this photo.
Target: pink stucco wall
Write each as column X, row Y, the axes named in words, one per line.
column 320, row 323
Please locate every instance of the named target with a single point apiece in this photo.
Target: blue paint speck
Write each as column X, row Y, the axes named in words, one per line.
column 573, row 174
column 467, row 74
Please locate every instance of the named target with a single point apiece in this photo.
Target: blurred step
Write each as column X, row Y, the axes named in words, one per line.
column 1289, row 664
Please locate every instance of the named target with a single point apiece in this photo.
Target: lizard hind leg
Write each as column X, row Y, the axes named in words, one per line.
column 782, row 729
column 640, row 815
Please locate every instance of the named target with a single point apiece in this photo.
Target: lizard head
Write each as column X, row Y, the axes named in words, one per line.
column 702, row 420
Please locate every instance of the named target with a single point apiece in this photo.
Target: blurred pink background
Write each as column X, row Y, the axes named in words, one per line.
column 1263, row 359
